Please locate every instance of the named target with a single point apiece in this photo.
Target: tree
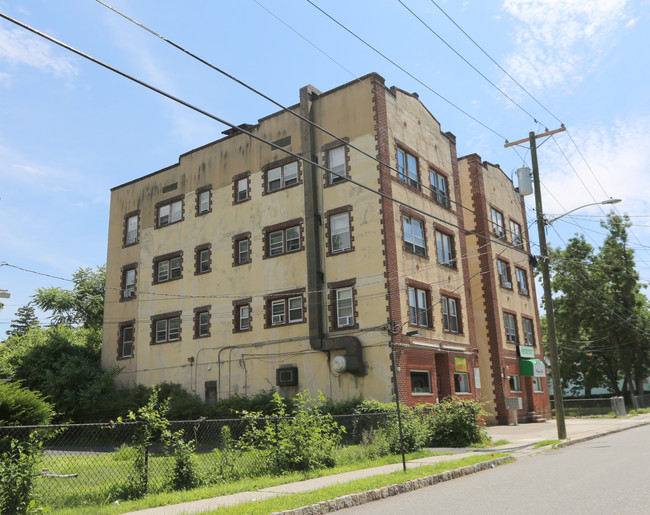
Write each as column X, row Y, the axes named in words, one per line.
column 26, row 319
column 601, row 316
column 84, row 304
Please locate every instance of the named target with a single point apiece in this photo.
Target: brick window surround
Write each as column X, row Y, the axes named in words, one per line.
column 166, row 327
column 414, row 233
column 128, row 289
column 203, row 200
column 446, row 248
column 237, row 307
column 333, row 301
column 439, row 186
column 241, row 188
column 131, row 229
column 283, row 238
column 516, row 235
column 203, row 259
column 330, row 151
column 168, row 267
column 498, row 223
column 419, row 316
column 126, row 339
column 328, row 231
column 450, row 301
column 522, row 280
column 290, row 300
column 170, row 211
column 285, row 176
column 510, row 326
column 241, row 249
column 528, row 328
column 504, row 273
column 408, row 167
column 202, row 322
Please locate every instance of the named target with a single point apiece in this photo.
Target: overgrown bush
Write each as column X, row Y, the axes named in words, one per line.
column 18, row 471
column 304, row 439
column 24, row 407
column 454, row 423
column 414, row 432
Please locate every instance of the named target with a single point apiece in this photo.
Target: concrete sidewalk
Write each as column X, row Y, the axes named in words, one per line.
column 521, row 438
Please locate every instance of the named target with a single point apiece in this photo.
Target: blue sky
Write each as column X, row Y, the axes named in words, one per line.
column 71, row 130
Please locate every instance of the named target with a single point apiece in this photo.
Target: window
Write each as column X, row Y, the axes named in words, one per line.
column 339, row 226
column 287, row 310
column 510, row 324
column 445, row 247
column 420, row 382
column 505, row 279
column 336, row 164
column 131, row 229
column 202, row 322
column 450, row 318
column 515, row 231
column 168, row 267
column 407, row 169
column 498, row 226
column 128, row 282
column 170, row 213
column 439, row 188
column 418, row 307
column 522, row 281
column 203, row 200
column 283, row 240
column 529, row 335
column 515, row 383
column 167, row 328
column 414, row 236
column 282, row 177
column 537, row 384
column 461, row 382
column 203, row 259
column 242, row 249
column 344, row 308
column 242, row 316
column 125, row 347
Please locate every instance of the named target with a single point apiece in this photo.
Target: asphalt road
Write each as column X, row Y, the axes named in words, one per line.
column 607, row 475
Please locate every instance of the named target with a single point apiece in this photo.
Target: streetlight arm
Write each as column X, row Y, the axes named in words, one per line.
column 608, row 201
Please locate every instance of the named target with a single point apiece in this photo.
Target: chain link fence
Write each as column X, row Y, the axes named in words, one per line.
column 86, row 464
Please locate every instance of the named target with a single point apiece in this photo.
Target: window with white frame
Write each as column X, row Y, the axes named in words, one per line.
column 282, row 177
column 202, row 322
column 510, row 325
column 537, row 384
column 515, row 231
column 420, row 381
column 244, row 317
column 170, row 213
column 344, row 308
column 505, row 279
column 414, row 236
column 131, row 230
column 515, row 383
column 445, row 248
column 203, row 200
column 450, row 315
column 418, row 307
column 522, row 281
column 461, row 382
column 167, row 329
column 168, row 268
column 337, row 166
column 498, row 226
column 242, row 190
column 125, row 349
column 128, row 283
column 439, row 188
column 203, row 259
column 527, row 328
column 243, row 251
column 287, row 310
column 283, row 241
column 339, row 225
column 407, row 169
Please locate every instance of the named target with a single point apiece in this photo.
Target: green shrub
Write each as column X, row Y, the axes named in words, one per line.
column 21, row 406
column 454, row 423
column 414, row 432
column 304, row 439
column 18, row 471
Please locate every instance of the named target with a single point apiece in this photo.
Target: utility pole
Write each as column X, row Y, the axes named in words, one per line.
column 546, row 282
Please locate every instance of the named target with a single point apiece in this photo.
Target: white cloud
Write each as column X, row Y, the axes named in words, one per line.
column 560, row 40
column 19, row 47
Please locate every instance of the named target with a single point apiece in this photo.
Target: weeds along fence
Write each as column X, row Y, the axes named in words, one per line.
column 84, row 464
column 586, row 407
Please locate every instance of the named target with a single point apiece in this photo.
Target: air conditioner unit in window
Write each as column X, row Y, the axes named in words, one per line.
column 277, row 319
column 346, row 321
column 507, row 284
column 286, row 376
column 129, row 293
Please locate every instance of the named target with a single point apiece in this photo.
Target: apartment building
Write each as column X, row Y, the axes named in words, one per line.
column 506, row 316
column 300, row 264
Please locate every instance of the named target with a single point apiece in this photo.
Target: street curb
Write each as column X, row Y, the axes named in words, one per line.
column 351, row 500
